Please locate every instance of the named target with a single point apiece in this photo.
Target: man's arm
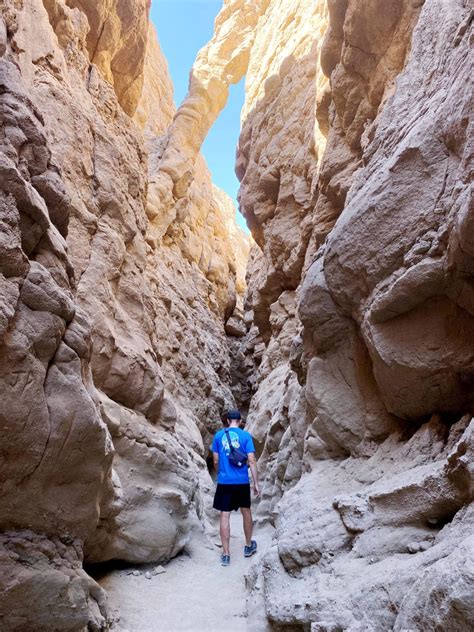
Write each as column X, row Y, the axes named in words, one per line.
column 215, row 460
column 253, row 469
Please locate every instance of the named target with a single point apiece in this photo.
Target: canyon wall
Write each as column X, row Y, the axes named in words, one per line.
column 115, row 362
column 355, row 167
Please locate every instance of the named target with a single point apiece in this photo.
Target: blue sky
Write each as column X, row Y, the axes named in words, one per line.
column 184, row 26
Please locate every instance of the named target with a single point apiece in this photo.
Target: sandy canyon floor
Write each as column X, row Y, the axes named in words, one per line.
column 193, row 593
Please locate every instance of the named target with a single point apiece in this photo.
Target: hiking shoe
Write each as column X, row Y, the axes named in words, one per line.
column 250, row 550
column 225, row 560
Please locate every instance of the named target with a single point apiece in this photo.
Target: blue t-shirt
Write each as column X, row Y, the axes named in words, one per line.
column 230, row 474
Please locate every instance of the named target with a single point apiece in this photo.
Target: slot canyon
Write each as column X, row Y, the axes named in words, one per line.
column 134, row 311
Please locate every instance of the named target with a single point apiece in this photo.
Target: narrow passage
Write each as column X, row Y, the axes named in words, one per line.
column 194, row 594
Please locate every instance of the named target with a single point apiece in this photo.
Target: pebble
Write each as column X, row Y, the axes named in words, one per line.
column 148, row 575
column 136, row 573
column 158, row 570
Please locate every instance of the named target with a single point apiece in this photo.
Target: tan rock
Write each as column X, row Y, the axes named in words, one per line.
column 117, row 44
column 405, row 265
column 240, row 242
column 355, row 548
column 122, row 280
column 155, row 108
column 382, row 331
column 47, row 574
column 51, row 491
column 100, row 321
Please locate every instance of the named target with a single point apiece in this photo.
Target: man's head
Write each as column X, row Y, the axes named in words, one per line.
column 234, row 417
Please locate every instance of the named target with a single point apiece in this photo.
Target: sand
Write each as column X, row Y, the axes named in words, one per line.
column 194, row 593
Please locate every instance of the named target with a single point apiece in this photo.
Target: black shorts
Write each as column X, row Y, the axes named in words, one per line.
column 230, row 497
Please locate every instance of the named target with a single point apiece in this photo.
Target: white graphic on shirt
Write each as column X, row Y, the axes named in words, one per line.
column 234, row 437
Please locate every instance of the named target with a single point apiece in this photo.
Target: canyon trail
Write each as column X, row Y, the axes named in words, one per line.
column 194, row 592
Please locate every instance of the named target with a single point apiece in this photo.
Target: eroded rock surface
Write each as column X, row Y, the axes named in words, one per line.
column 117, row 41
column 366, row 411
column 115, row 359
column 222, row 62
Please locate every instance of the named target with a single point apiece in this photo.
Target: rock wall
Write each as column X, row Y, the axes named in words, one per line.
column 277, row 162
column 115, row 361
column 359, row 298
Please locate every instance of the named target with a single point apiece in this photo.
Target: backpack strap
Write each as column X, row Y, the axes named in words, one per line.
column 232, row 449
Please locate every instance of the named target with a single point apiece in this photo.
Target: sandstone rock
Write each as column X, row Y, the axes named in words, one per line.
column 46, row 575
column 221, row 62
column 235, row 327
column 442, row 596
column 239, row 241
column 158, row 473
column 3, row 37
column 100, row 320
column 155, row 108
column 51, row 492
column 352, row 562
column 277, row 165
column 381, row 334
column 158, row 570
column 117, row 44
column 406, row 283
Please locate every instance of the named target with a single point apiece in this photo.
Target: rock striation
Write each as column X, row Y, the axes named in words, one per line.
column 115, row 360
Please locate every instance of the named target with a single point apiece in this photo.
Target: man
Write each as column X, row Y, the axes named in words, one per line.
column 233, row 485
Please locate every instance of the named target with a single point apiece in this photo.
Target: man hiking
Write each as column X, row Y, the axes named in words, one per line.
column 233, row 453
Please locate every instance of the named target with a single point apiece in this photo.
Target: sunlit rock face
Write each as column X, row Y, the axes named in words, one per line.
column 277, row 162
column 360, row 311
column 115, row 362
column 116, row 41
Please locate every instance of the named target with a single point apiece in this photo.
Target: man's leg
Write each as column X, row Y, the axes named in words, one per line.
column 248, row 524
column 225, row 531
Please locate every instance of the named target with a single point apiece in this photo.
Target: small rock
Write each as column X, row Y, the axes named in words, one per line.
column 136, row 573
column 235, row 327
column 148, row 575
column 158, row 570
column 425, row 545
